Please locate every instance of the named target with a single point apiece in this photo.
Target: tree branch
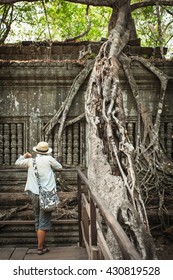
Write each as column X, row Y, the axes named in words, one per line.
column 46, row 16
column 151, row 3
column 169, row 12
column 86, row 31
column 2, row 2
column 7, row 24
column 159, row 28
column 75, row 120
column 107, row 3
column 101, row 3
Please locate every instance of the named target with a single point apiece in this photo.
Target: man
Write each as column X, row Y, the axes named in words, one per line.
column 45, row 166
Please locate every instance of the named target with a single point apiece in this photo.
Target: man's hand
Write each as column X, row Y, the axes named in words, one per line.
column 27, row 155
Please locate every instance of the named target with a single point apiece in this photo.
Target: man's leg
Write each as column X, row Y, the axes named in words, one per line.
column 41, row 235
column 44, row 226
column 35, row 206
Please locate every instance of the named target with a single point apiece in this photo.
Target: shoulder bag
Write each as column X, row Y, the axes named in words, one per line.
column 48, row 200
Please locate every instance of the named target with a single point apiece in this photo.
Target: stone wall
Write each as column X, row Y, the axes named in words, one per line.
column 35, row 80
column 31, row 92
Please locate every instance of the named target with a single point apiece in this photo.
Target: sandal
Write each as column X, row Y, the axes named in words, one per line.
column 46, row 249
column 42, row 251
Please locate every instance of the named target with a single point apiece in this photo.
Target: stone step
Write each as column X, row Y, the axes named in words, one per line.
column 23, row 232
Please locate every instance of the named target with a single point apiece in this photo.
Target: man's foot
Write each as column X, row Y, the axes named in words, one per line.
column 42, row 251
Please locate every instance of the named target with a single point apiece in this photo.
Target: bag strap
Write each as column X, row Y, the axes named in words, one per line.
column 36, row 173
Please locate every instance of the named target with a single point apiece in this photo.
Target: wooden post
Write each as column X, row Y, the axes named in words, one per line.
column 93, row 223
column 93, row 227
column 79, row 209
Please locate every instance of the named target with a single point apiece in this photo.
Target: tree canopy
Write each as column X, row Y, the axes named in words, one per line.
column 38, row 20
column 52, row 20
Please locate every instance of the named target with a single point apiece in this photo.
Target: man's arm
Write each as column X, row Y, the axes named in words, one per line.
column 22, row 161
column 56, row 165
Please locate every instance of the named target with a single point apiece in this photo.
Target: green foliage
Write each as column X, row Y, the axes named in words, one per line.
column 147, row 26
column 61, row 21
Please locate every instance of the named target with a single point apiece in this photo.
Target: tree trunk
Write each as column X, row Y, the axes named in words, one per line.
column 110, row 154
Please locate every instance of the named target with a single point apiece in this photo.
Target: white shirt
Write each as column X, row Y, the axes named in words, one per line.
column 45, row 165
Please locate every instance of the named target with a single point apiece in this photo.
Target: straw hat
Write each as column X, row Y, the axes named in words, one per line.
column 42, row 148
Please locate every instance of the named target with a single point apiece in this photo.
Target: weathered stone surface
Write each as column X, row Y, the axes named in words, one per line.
column 35, row 79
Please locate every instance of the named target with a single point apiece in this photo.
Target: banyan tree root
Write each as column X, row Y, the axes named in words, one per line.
column 154, row 168
column 9, row 214
column 66, row 213
column 61, row 114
